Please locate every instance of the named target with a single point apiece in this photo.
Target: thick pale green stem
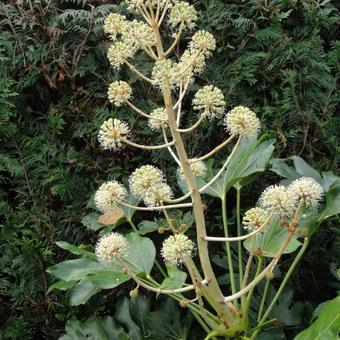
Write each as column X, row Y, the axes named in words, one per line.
column 250, row 294
column 282, row 286
column 239, row 243
column 202, row 245
column 227, row 244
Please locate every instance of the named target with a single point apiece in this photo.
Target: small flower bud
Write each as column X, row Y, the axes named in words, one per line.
column 134, row 293
column 255, row 218
column 184, row 303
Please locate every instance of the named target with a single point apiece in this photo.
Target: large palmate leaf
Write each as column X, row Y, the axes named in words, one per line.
column 250, row 158
column 99, row 328
column 271, row 239
column 86, row 276
column 327, row 325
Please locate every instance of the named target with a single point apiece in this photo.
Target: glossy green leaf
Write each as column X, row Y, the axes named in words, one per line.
column 124, row 317
column 272, row 238
column 304, row 169
column 77, row 269
column 82, row 292
column 108, row 280
column 75, row 250
column 142, row 253
column 146, row 227
column 90, row 221
column 98, row 328
column 283, row 170
column 332, row 204
column 175, row 280
column 326, row 326
column 62, row 285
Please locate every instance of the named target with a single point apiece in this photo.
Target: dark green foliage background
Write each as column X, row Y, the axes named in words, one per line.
column 280, row 58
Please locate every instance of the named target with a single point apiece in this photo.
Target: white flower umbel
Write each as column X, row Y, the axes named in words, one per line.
column 111, row 247
column 203, row 41
column 158, row 194
column 114, row 25
column 139, row 33
column 109, row 196
column 210, row 101
column 119, row 53
column 242, row 121
column 255, row 218
column 276, row 199
column 134, row 5
column 176, row 249
column 111, row 134
column 182, row 14
column 307, row 190
column 156, row 124
column 119, row 92
column 166, row 69
column 143, row 179
column 198, row 168
column 192, row 59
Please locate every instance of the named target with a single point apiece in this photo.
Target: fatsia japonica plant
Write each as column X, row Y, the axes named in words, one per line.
column 268, row 230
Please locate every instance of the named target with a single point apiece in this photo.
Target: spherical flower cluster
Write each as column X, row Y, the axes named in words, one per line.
column 114, row 25
column 156, row 195
column 119, row 92
column 139, row 33
column 255, row 218
column 143, row 179
column 198, row 168
column 242, row 121
column 276, row 199
column 194, row 60
column 176, row 249
column 109, row 196
column 156, row 124
column 112, row 133
column 210, row 101
column 119, row 52
column 166, row 69
column 184, row 14
column 203, row 41
column 307, row 190
column 111, row 247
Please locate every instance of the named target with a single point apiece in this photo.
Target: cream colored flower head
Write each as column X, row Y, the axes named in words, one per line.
column 155, row 123
column 242, row 121
column 119, row 53
column 182, row 14
column 143, row 179
column 209, row 101
column 276, row 199
column 198, row 168
column 203, row 41
column 307, row 190
column 112, row 134
column 176, row 249
column 192, row 60
column 255, row 218
column 166, row 69
column 139, row 33
column 157, row 195
column 115, row 24
column 109, row 196
column 111, row 247
column 119, row 92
